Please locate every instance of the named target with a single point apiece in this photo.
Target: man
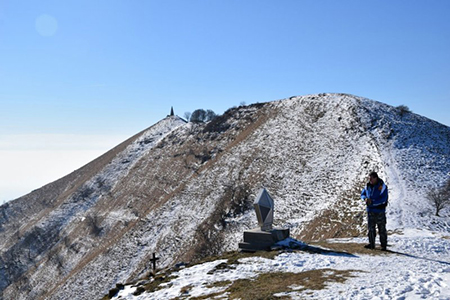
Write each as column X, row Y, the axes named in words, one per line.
column 376, row 196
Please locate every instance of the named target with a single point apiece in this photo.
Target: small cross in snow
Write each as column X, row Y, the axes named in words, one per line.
column 153, row 261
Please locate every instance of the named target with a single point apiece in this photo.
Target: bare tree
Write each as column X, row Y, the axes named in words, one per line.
column 210, row 115
column 199, row 115
column 187, row 115
column 439, row 197
column 402, row 110
column 447, row 188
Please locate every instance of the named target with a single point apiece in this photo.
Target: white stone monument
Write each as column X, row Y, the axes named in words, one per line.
column 264, row 237
column 264, row 210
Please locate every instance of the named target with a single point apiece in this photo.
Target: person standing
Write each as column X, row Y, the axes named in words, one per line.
column 375, row 194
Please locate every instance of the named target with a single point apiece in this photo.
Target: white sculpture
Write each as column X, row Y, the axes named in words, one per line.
column 265, row 237
column 264, row 210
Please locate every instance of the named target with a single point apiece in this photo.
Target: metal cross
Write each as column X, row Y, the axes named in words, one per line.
column 153, row 261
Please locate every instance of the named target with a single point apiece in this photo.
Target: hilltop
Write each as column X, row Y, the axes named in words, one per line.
column 185, row 191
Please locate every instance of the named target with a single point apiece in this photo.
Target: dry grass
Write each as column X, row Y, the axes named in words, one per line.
column 345, row 219
column 234, row 256
column 351, row 248
column 185, row 290
column 220, row 284
column 155, row 284
column 231, row 257
column 267, row 285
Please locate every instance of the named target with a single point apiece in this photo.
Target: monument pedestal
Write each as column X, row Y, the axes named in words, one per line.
column 257, row 239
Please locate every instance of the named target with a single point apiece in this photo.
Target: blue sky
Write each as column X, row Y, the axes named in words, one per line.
column 78, row 77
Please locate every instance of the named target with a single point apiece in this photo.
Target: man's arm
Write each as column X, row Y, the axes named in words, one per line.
column 363, row 194
column 365, row 198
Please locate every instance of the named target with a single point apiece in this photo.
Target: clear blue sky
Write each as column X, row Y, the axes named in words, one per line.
column 112, row 68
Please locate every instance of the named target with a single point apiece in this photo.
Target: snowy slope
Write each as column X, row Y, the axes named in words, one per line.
column 51, row 225
column 415, row 152
column 185, row 191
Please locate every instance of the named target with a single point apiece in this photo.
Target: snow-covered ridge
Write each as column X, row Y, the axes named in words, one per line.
column 73, row 212
column 186, row 191
column 106, row 179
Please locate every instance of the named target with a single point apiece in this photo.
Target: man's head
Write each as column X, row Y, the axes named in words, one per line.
column 373, row 178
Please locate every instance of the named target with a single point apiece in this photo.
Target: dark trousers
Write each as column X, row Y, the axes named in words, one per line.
column 377, row 219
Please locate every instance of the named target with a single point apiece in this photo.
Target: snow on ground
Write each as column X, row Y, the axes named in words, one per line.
column 421, row 267
column 418, row 268
column 304, row 142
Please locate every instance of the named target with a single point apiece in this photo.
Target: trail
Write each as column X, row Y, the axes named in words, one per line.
column 397, row 208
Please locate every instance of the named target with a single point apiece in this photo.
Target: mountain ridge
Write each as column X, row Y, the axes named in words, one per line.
column 185, row 190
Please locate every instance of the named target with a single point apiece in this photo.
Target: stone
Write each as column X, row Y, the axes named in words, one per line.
column 264, row 237
column 264, row 209
column 256, row 239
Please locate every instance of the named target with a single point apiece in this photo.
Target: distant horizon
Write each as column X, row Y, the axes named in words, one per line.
column 108, row 69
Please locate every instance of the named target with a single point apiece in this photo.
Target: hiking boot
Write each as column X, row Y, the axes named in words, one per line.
column 369, row 246
column 383, row 248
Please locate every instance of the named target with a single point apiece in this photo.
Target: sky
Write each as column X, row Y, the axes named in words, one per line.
column 79, row 77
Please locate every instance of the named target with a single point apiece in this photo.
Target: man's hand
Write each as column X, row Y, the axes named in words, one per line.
column 368, row 201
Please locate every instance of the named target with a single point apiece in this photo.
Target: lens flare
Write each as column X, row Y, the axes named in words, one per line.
column 46, row 25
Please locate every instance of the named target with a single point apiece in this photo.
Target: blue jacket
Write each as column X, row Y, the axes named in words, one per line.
column 378, row 193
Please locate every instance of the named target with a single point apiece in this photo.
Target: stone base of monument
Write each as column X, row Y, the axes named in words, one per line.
column 256, row 239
